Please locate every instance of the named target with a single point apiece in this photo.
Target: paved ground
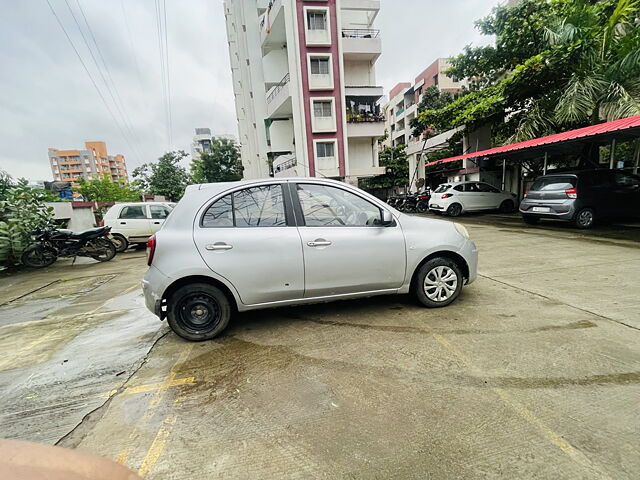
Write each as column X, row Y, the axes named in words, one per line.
column 533, row 373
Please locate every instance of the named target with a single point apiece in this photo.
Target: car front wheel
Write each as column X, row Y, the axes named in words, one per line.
column 439, row 282
column 198, row 312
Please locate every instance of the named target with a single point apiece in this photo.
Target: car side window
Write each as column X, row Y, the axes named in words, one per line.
column 132, row 212
column 470, row 187
column 625, row 181
column 458, row 188
column 261, row 206
column 486, row 188
column 159, row 212
column 324, row 206
column 219, row 214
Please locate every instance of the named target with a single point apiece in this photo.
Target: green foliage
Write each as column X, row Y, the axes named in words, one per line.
column 22, row 211
column 164, row 177
column 557, row 65
column 106, row 190
column 220, row 164
column 394, row 159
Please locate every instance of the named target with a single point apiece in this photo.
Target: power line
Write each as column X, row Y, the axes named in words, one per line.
column 104, row 101
column 166, row 52
column 131, row 43
column 163, row 77
column 121, row 111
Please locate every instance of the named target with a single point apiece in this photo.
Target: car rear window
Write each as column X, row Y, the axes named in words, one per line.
column 442, row 188
column 554, row 183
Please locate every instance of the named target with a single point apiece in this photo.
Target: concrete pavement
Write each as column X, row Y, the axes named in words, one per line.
column 533, row 373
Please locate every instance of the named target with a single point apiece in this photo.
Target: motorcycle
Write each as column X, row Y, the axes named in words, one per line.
column 409, row 203
column 51, row 244
column 423, row 202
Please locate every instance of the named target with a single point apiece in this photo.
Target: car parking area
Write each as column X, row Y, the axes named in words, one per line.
column 534, row 372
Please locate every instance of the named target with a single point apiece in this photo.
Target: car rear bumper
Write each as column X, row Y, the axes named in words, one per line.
column 154, row 284
column 539, row 208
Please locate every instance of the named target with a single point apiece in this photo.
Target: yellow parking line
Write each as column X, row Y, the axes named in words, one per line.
column 156, row 386
column 522, row 411
column 157, row 446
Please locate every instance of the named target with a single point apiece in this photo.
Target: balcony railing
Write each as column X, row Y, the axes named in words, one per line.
column 286, row 165
column 360, row 33
column 364, row 117
column 278, row 87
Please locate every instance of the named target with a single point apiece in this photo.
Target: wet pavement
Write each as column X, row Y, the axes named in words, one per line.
column 533, row 373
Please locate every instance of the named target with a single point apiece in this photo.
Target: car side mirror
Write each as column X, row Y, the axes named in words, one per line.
column 387, row 218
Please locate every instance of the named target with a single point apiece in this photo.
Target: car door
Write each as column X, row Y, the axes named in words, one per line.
column 249, row 237
column 346, row 250
column 158, row 214
column 488, row 196
column 133, row 222
column 471, row 196
column 625, row 195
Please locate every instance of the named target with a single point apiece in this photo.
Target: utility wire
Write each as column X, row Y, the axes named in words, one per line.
column 89, row 75
column 166, row 52
column 122, row 113
column 131, row 43
column 163, row 75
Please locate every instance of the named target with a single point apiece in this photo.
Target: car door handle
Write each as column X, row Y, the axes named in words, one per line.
column 219, row 246
column 319, row 243
column 123, row 223
column 156, row 223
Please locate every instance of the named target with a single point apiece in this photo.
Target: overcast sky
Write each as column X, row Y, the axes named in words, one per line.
column 47, row 99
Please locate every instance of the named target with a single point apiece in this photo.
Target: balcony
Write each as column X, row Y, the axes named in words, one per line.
column 361, row 44
column 272, row 28
column 363, row 91
column 279, row 99
column 287, row 166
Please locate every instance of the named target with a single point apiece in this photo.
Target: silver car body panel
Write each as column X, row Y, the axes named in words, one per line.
column 259, row 277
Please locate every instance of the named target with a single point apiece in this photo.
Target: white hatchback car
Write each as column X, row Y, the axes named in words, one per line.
column 458, row 197
column 273, row 242
column 134, row 223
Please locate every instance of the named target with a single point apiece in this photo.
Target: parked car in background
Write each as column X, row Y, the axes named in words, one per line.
column 582, row 197
column 458, row 197
column 274, row 242
column 134, row 223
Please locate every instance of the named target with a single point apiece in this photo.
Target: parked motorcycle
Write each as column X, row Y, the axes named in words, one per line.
column 409, row 203
column 423, row 201
column 51, row 244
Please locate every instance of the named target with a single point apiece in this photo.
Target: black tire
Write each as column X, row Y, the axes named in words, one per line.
column 585, row 218
column 422, row 207
column 507, row 206
column 120, row 242
column 423, row 291
column 454, row 210
column 529, row 220
column 39, row 256
column 187, row 322
column 108, row 249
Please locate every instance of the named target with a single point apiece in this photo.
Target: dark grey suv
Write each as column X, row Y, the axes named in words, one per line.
column 582, row 197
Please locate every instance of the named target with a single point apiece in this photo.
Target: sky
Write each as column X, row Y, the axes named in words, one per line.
column 48, row 100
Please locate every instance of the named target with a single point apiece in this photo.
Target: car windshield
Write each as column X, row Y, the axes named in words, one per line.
column 554, row 183
column 442, row 188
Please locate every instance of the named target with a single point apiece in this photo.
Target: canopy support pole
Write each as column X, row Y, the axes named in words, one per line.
column 504, row 171
column 544, row 167
column 637, row 155
column 613, row 154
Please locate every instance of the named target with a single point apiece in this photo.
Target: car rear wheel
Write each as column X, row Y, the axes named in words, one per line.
column 507, row 206
column 439, row 282
column 585, row 218
column 120, row 242
column 529, row 220
column 454, row 210
column 198, row 312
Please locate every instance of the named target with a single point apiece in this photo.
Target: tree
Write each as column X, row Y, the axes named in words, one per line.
column 557, row 65
column 22, row 211
column 432, row 99
column 105, row 190
column 394, row 159
column 164, row 177
column 220, row 164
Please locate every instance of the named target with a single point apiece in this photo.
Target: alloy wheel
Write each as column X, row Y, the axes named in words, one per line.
column 440, row 283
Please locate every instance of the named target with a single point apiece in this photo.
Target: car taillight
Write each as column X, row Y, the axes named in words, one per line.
column 151, row 249
column 423, row 197
column 526, row 192
column 447, row 195
column 572, row 192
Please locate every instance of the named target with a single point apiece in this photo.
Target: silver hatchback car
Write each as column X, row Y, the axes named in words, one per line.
column 266, row 243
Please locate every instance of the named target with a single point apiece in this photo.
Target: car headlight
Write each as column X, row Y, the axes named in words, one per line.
column 462, row 230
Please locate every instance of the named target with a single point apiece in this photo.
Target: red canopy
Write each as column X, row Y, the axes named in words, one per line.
column 601, row 128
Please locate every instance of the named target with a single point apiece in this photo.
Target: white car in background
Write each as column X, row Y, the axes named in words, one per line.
column 455, row 198
column 134, row 223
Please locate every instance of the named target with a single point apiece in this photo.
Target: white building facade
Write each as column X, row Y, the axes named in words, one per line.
column 202, row 141
column 304, row 83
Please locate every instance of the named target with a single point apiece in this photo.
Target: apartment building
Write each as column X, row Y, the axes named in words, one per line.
column 202, row 141
column 305, row 89
column 404, row 99
column 90, row 163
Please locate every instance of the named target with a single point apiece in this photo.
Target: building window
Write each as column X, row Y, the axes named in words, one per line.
column 320, row 66
column 325, row 149
column 322, row 108
column 316, row 20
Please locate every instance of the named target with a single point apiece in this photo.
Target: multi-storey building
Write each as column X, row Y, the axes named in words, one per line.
column 202, row 141
column 304, row 83
column 404, row 99
column 90, row 163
